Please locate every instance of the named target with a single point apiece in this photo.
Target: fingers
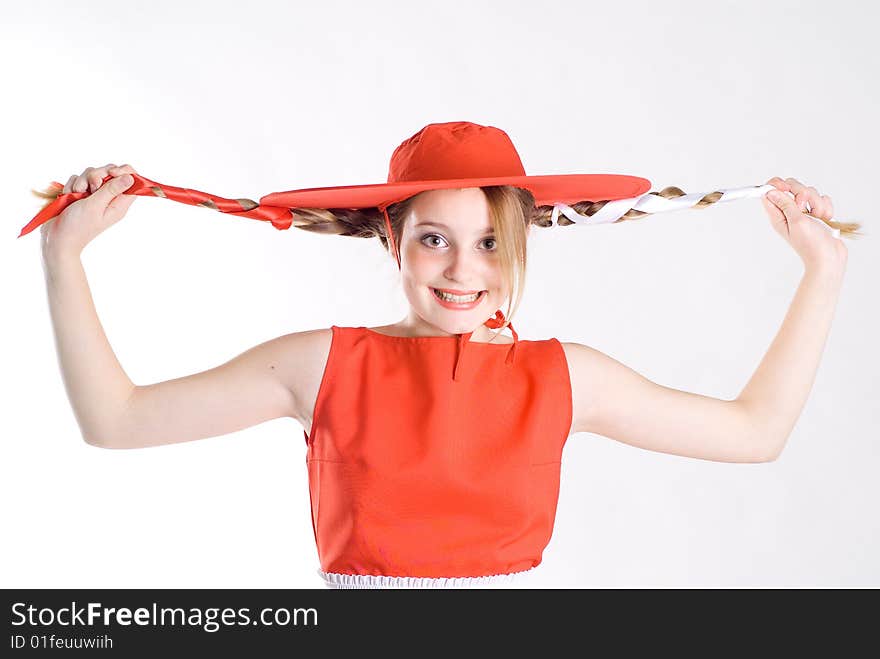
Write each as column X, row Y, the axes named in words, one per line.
column 784, row 205
column 92, row 177
column 122, row 169
column 829, row 207
column 806, row 198
column 779, row 184
column 81, row 184
column 777, row 217
column 775, row 213
column 96, row 177
column 68, row 187
column 809, row 200
column 116, row 186
column 807, row 204
column 114, row 170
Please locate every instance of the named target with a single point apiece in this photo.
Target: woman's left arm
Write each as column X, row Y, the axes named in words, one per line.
column 611, row 399
column 775, row 395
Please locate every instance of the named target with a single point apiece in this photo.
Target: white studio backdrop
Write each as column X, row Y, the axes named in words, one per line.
column 241, row 100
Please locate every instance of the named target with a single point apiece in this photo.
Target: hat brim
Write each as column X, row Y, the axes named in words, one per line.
column 547, row 189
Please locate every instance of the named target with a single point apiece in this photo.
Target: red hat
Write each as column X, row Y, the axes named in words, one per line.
column 459, row 154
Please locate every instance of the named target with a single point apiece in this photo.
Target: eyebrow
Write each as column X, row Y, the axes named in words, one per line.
column 443, row 226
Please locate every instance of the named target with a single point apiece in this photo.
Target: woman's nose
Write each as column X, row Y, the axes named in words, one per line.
column 460, row 265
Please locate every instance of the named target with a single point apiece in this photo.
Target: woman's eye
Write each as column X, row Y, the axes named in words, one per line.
column 434, row 236
column 431, row 235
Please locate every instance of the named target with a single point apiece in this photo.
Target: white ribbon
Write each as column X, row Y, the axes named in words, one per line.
column 652, row 203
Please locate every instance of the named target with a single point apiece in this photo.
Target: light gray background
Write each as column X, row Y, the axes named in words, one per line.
column 244, row 99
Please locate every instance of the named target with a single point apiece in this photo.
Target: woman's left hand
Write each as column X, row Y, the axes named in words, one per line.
column 810, row 238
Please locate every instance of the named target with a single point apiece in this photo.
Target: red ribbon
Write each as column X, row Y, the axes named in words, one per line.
column 281, row 218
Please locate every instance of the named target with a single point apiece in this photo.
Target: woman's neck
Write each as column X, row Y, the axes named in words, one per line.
column 410, row 328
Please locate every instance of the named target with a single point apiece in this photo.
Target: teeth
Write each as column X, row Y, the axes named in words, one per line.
column 456, row 298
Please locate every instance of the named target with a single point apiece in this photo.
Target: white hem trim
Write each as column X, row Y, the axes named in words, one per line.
column 339, row 580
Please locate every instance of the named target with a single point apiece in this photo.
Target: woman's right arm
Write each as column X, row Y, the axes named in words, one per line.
column 112, row 412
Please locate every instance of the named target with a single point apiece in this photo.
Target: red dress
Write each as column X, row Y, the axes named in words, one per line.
column 435, row 457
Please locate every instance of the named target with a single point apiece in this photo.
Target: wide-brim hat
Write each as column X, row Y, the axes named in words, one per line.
column 461, row 154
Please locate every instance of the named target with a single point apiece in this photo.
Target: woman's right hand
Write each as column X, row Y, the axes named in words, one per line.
column 78, row 224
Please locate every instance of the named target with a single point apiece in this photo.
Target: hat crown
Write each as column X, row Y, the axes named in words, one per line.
column 455, row 150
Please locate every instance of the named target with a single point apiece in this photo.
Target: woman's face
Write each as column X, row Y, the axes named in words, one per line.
column 448, row 243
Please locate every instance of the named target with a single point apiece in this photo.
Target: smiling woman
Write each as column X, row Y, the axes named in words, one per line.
column 434, row 450
column 479, row 245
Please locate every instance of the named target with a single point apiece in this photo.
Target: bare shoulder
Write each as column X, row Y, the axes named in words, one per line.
column 572, row 358
column 301, row 357
column 587, row 369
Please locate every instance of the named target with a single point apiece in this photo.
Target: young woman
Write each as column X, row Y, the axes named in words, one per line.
column 434, row 444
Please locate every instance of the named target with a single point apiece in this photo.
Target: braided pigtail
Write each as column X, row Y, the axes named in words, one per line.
column 543, row 214
column 363, row 223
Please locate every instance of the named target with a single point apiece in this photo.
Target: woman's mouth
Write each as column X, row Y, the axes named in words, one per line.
column 458, row 302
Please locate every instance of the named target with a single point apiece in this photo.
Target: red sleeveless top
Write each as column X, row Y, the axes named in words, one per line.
column 436, row 456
